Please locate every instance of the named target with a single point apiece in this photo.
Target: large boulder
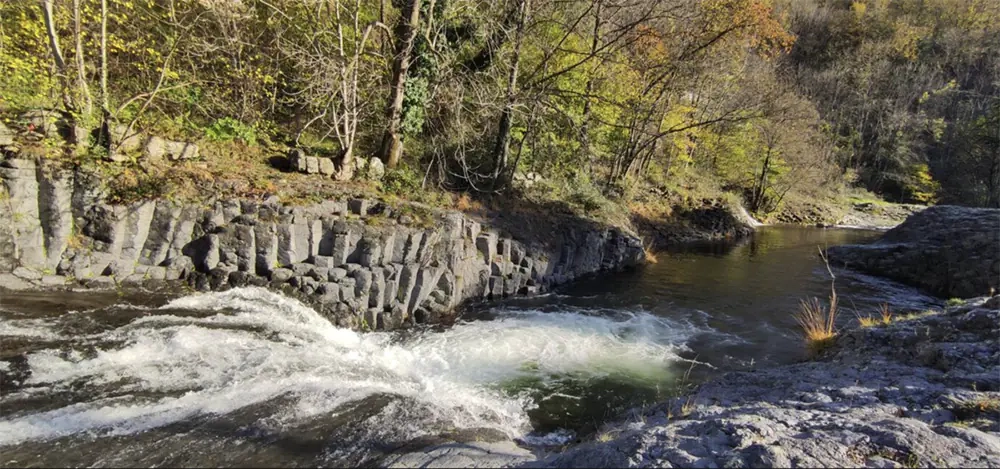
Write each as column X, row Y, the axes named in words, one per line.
column 946, row 250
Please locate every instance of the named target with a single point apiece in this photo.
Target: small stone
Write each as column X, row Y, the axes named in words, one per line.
column 301, row 268
column 53, row 280
column 375, row 170
column 189, row 152
column 320, row 273
column 323, row 261
column 27, row 274
column 337, row 274
column 13, row 282
column 326, row 166
column 312, row 165
column 101, row 282
column 156, row 273
column 155, row 148
column 358, row 206
column 281, row 275
column 297, row 160
column 6, row 135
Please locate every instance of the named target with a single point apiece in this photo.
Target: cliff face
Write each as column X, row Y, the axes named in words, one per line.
column 361, row 262
column 946, row 250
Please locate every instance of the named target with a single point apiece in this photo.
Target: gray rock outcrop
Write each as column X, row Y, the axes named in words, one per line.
column 349, row 258
column 946, row 250
column 923, row 392
column 6, row 135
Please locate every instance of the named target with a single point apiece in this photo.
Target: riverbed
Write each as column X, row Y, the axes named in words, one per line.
column 248, row 377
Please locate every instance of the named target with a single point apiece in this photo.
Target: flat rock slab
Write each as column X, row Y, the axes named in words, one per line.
column 471, row 454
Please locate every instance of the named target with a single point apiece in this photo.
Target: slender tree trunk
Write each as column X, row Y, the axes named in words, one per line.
column 501, row 149
column 57, row 55
column 994, row 195
column 81, row 72
column 585, row 119
column 406, row 32
column 104, row 57
column 760, row 187
column 104, row 136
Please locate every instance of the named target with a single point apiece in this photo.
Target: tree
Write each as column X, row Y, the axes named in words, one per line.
column 406, row 32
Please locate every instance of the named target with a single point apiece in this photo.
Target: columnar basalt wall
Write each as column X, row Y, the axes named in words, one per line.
column 361, row 262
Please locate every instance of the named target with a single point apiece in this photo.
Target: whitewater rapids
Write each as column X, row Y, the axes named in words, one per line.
column 212, row 354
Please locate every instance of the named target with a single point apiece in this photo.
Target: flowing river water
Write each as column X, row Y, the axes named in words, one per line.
column 250, row 378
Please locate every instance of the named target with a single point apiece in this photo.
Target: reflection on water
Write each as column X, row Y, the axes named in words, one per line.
column 740, row 295
column 248, row 377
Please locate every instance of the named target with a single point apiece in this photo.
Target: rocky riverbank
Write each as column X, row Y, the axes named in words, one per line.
column 923, row 391
column 946, row 250
column 920, row 392
column 363, row 263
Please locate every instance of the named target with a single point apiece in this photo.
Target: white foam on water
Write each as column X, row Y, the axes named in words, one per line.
column 39, row 329
column 262, row 345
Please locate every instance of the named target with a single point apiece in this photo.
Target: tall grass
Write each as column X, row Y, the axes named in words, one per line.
column 818, row 321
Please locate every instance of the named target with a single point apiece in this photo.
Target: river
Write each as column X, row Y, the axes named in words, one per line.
column 250, row 378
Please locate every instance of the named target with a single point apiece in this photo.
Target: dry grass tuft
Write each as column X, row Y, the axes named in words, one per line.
column 468, row 204
column 868, row 321
column 885, row 317
column 651, row 257
column 817, row 322
column 885, row 313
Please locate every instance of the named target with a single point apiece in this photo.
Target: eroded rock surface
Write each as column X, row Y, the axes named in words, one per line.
column 921, row 392
column 946, row 250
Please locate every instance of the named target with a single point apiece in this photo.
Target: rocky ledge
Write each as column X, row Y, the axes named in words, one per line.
column 946, row 250
column 361, row 262
column 920, row 392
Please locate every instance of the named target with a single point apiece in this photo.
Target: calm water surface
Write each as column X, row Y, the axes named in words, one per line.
column 248, row 377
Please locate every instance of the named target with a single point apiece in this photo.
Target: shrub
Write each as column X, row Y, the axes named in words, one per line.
column 228, row 129
column 401, row 181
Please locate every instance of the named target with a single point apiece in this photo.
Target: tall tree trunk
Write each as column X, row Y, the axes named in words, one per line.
column 104, row 57
column 81, row 72
column 994, row 195
column 501, row 148
column 585, row 119
column 406, row 33
column 761, row 186
column 104, row 136
column 57, row 55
